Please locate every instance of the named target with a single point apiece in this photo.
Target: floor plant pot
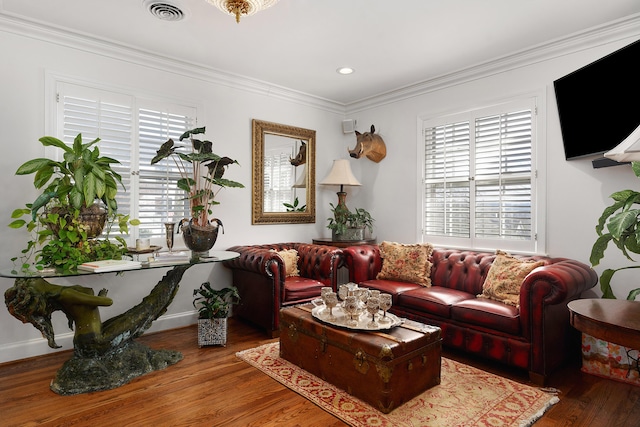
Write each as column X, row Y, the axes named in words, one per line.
column 212, row 332
column 200, row 239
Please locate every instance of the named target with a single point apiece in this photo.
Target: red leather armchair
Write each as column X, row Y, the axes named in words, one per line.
column 260, row 276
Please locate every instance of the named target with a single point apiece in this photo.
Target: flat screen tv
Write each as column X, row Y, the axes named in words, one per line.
column 598, row 103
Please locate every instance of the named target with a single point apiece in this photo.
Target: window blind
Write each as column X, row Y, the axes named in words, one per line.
column 108, row 116
column 479, row 179
column 160, row 200
column 131, row 130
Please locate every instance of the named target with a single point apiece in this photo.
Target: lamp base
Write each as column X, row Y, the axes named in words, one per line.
column 341, row 210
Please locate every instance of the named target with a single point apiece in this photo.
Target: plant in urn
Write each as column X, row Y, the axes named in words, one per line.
column 201, row 178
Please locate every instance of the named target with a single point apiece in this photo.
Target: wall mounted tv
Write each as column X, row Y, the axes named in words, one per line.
column 598, row 104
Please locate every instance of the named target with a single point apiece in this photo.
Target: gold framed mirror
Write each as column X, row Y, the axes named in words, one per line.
column 284, row 171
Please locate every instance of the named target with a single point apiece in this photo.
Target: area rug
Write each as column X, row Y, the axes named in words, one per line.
column 467, row 396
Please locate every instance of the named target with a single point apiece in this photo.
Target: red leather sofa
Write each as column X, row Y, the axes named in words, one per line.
column 537, row 336
column 260, row 276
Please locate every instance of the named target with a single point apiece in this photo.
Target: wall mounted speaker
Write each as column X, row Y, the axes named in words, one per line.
column 348, row 125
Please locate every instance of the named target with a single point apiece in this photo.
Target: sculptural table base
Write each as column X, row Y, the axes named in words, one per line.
column 85, row 375
column 105, row 353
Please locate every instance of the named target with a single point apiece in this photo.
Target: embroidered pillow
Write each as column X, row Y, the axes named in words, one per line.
column 290, row 257
column 406, row 262
column 505, row 278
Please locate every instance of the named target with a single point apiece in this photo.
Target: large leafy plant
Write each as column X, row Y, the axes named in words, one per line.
column 81, row 177
column 203, row 180
column 622, row 223
column 59, row 238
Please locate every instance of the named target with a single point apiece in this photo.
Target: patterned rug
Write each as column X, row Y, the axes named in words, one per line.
column 466, row 396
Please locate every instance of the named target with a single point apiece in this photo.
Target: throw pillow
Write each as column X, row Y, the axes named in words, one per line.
column 505, row 278
column 406, row 262
column 290, row 257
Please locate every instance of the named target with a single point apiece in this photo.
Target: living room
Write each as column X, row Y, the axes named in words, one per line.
column 43, row 56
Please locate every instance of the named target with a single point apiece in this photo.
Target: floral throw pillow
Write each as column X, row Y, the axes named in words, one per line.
column 505, row 278
column 290, row 257
column 406, row 262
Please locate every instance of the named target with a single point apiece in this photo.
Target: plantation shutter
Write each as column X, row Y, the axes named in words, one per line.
column 447, row 186
column 503, row 176
column 160, row 200
column 279, row 177
column 479, row 179
column 131, row 130
column 106, row 115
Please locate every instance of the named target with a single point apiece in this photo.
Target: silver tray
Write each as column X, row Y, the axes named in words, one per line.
column 341, row 319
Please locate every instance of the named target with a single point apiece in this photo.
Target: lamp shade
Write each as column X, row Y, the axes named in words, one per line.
column 301, row 182
column 340, row 174
column 628, row 150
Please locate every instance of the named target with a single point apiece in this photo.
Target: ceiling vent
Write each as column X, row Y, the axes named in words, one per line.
column 164, row 10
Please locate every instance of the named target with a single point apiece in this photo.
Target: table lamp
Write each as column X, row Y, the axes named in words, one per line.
column 341, row 175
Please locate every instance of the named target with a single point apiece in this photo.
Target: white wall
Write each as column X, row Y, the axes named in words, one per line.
column 227, row 113
column 576, row 193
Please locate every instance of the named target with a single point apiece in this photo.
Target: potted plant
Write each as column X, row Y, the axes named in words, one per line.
column 347, row 225
column 622, row 228
column 295, row 206
column 201, row 178
column 213, row 307
column 78, row 198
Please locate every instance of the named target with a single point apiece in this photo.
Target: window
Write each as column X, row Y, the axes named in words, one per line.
column 279, row 174
column 130, row 129
column 479, row 187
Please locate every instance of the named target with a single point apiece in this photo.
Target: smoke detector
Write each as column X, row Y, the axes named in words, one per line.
column 164, row 10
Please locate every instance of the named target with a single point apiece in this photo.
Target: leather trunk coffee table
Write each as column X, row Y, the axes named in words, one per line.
column 383, row 368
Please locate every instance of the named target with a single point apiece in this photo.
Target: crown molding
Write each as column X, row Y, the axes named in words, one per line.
column 127, row 53
column 628, row 27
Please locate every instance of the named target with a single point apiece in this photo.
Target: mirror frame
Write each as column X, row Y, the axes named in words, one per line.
column 260, row 130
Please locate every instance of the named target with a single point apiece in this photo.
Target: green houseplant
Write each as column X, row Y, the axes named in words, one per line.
column 78, row 198
column 348, row 225
column 213, row 307
column 202, row 181
column 622, row 221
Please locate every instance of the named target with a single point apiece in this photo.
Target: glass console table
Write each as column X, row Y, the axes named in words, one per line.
column 106, row 354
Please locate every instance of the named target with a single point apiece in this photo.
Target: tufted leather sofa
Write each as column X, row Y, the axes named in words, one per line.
column 259, row 275
column 536, row 336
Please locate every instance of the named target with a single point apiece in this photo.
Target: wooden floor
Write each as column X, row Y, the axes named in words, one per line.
column 211, row 387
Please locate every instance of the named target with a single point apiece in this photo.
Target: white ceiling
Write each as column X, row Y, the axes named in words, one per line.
column 299, row 44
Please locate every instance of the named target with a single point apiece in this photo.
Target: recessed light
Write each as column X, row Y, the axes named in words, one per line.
column 345, row 70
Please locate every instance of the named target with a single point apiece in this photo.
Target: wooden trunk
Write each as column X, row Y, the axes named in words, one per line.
column 384, row 369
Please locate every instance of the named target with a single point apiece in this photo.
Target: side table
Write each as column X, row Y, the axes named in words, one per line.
column 106, row 354
column 613, row 320
column 617, row 323
column 342, row 243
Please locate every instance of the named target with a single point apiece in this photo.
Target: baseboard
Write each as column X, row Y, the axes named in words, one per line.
column 38, row 347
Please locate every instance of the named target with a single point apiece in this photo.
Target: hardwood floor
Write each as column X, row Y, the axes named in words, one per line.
column 211, row 387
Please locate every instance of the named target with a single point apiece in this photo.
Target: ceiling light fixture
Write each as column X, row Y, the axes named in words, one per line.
column 239, row 8
column 345, row 70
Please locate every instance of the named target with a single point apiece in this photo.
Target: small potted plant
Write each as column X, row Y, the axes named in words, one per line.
column 347, row 225
column 78, row 199
column 213, row 307
column 201, row 173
